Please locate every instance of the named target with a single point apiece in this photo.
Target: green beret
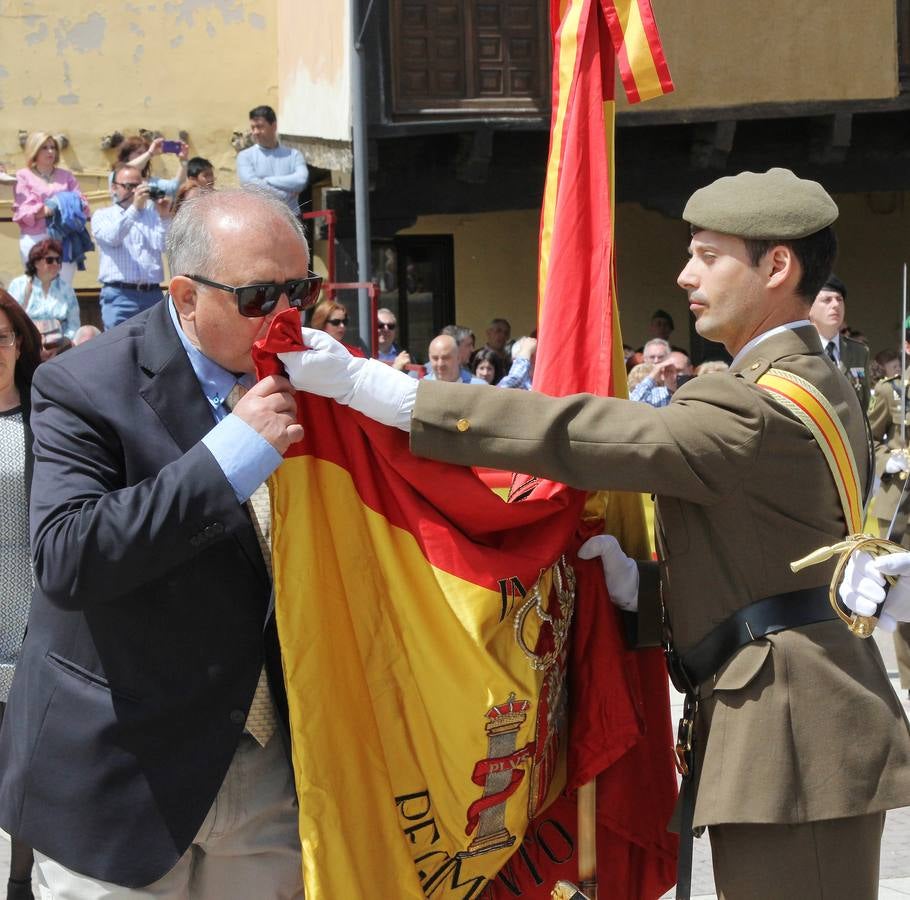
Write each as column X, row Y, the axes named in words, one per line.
column 772, row 205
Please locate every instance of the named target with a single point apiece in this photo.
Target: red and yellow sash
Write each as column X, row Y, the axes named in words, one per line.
column 806, row 402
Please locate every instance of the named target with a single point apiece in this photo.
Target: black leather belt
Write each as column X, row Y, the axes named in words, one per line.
column 129, row 286
column 758, row 619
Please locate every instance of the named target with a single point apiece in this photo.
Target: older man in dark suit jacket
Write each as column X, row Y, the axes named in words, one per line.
column 141, row 746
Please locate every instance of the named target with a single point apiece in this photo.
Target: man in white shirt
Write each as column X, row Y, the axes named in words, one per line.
column 280, row 170
column 130, row 237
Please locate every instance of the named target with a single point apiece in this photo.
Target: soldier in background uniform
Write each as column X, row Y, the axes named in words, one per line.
column 886, row 415
column 850, row 356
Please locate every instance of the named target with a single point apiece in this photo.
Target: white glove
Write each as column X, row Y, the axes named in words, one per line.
column 327, row 369
column 863, row 587
column 367, row 385
column 620, row 572
column 897, row 462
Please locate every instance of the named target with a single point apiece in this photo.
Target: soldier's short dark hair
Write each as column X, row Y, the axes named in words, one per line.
column 816, row 254
column 264, row 112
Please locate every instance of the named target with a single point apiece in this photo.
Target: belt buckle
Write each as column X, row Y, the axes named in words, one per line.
column 684, row 734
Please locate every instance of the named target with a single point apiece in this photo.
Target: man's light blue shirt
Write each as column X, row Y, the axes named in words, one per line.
column 280, row 170
column 518, row 376
column 246, row 458
column 464, row 376
column 648, row 391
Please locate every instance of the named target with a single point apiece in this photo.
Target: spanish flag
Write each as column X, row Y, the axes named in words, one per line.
column 440, row 644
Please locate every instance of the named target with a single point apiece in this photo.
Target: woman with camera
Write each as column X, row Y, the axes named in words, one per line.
column 42, row 293
column 19, row 357
column 130, row 238
column 139, row 151
column 36, row 185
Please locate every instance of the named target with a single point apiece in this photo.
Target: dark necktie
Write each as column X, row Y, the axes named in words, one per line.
column 830, row 350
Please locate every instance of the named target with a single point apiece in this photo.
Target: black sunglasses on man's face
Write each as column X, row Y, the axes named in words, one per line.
column 257, row 300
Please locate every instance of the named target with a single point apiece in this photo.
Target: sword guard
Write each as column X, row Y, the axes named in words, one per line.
column 861, row 626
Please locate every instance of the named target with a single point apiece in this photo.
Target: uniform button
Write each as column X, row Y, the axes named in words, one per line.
column 238, row 716
column 755, row 366
column 462, row 424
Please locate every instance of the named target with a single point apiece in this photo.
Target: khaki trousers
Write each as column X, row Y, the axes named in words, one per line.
column 835, row 859
column 248, row 846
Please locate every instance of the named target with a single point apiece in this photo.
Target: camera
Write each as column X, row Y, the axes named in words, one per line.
column 171, row 146
column 156, row 193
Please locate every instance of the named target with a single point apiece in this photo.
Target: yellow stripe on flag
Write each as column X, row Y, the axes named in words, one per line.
column 567, row 48
column 638, row 50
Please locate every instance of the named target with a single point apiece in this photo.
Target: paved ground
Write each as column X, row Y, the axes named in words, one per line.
column 895, row 864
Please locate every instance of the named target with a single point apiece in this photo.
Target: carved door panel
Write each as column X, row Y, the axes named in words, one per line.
column 469, row 56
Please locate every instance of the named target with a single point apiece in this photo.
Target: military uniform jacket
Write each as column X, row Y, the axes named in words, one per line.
column 854, row 363
column 885, row 417
column 796, row 727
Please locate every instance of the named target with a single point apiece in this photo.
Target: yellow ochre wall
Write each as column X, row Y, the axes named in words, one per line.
column 496, row 260
column 86, row 68
column 724, row 53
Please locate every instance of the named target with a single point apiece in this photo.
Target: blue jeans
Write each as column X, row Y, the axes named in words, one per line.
column 119, row 304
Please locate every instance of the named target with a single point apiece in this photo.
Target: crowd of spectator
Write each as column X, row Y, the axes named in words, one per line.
column 57, row 229
column 52, row 214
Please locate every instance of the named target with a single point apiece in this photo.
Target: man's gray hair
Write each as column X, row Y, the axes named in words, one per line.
column 459, row 332
column 190, row 247
column 657, row 341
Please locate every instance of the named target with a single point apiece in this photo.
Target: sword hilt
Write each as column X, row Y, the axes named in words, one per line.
column 861, row 626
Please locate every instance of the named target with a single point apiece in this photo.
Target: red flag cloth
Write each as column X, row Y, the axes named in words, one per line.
column 619, row 728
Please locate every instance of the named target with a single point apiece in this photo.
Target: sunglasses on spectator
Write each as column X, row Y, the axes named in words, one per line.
column 336, row 322
column 129, row 185
column 386, row 326
column 257, row 300
column 52, row 260
column 7, row 338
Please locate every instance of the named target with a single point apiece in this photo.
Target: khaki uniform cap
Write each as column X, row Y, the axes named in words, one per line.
column 772, row 205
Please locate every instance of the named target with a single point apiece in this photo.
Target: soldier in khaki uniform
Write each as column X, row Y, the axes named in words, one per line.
column 886, row 414
column 801, row 742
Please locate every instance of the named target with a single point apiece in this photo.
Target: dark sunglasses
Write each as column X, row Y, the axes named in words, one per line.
column 257, row 300
column 129, row 185
column 336, row 322
column 52, row 260
column 386, row 326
